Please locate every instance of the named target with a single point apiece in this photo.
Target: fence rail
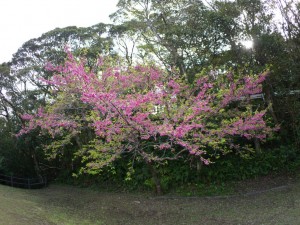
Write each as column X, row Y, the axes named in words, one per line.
column 30, row 183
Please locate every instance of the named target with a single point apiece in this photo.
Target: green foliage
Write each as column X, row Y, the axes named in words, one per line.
column 193, row 37
column 232, row 167
column 188, row 179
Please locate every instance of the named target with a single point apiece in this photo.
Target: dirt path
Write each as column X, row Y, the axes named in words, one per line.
column 69, row 205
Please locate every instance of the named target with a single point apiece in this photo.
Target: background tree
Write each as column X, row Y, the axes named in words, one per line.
column 29, row 61
column 22, row 90
column 14, row 157
column 193, row 35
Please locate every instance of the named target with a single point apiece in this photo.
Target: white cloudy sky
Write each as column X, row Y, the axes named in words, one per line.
column 22, row 20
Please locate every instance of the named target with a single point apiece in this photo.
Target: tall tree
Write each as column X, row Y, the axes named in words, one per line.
column 193, row 35
column 29, row 61
column 140, row 112
column 21, row 86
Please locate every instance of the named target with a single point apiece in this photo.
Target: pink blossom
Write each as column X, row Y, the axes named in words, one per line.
column 27, row 117
column 119, row 107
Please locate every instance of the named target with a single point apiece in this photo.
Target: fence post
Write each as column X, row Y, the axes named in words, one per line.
column 28, row 182
column 11, row 181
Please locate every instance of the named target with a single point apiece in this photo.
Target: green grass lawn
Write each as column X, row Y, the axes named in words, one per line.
column 70, row 205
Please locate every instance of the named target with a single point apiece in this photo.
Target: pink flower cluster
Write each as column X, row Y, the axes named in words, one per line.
column 123, row 100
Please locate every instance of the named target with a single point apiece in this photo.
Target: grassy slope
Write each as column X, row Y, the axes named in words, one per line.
column 68, row 205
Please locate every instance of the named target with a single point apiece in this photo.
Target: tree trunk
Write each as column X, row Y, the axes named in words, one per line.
column 257, row 145
column 155, row 178
column 36, row 165
column 269, row 100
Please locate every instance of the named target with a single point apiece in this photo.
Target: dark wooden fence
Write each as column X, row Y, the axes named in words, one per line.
column 30, row 183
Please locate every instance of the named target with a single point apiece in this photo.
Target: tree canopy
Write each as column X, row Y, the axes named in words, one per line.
column 170, row 84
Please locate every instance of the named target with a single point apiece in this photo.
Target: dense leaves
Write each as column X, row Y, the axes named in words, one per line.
column 153, row 117
column 176, row 89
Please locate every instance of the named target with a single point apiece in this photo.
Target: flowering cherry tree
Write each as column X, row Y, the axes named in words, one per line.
column 142, row 111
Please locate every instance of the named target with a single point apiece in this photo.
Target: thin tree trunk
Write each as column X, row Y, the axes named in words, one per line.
column 269, row 100
column 36, row 165
column 155, row 178
column 257, row 145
